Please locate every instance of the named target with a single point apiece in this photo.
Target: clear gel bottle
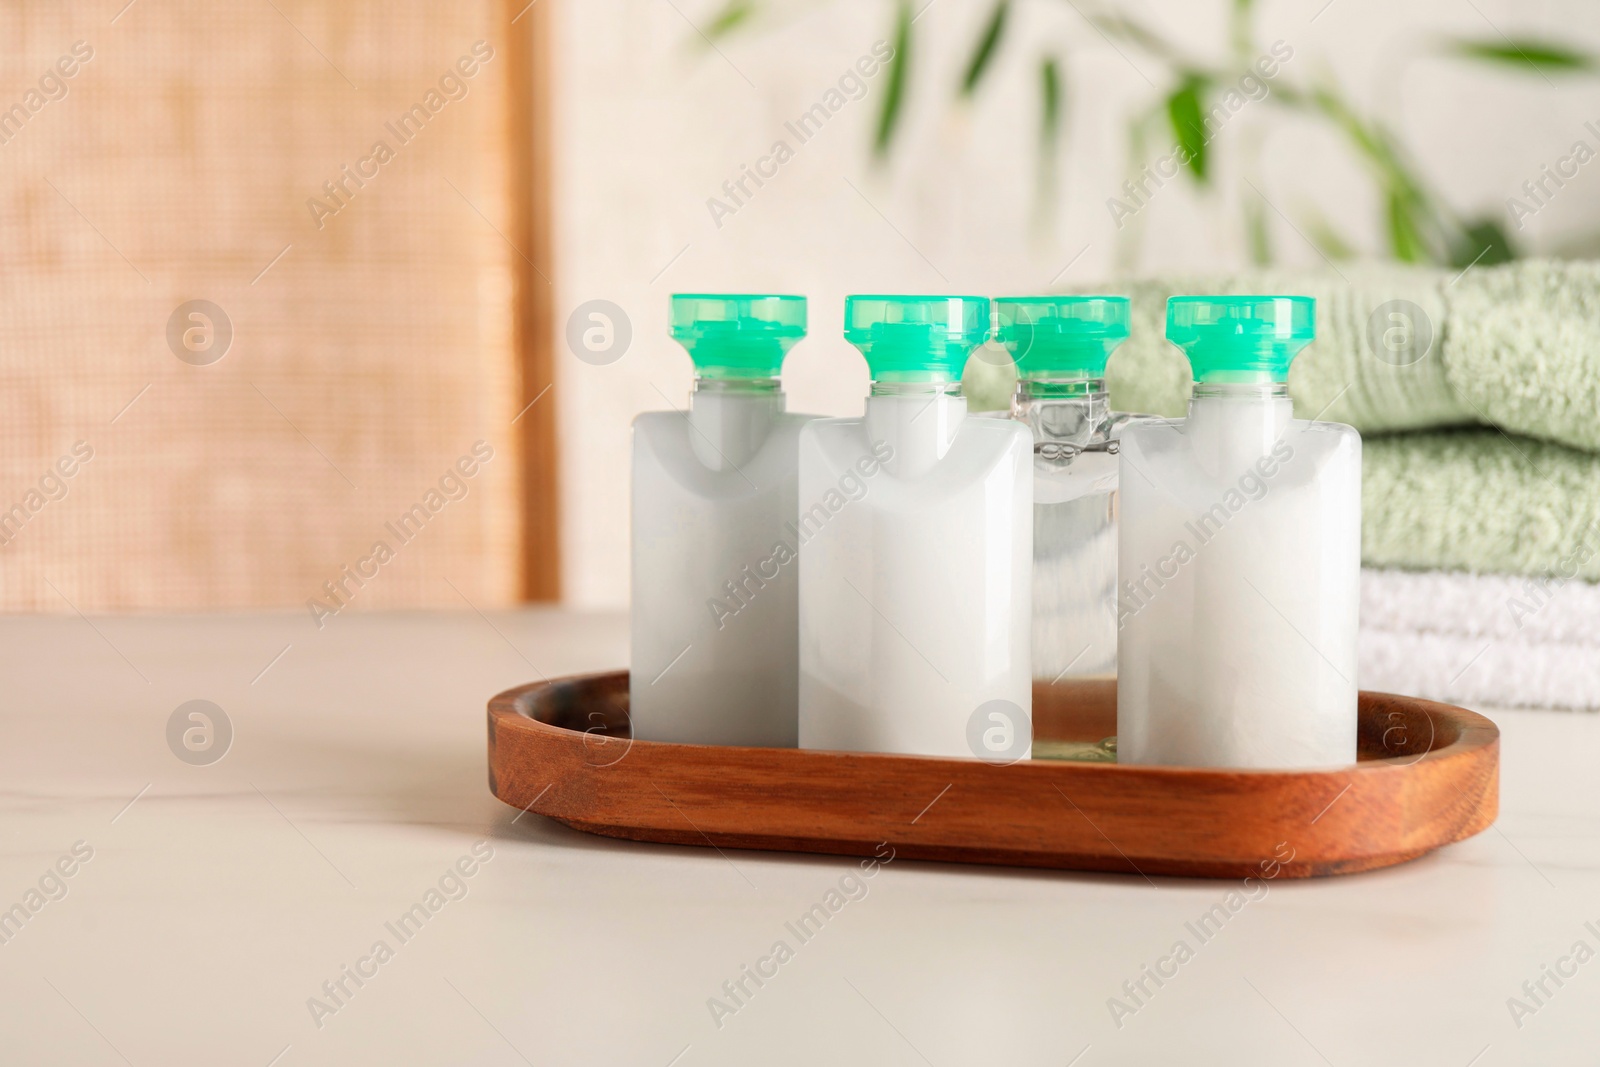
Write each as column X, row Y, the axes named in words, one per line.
column 1239, row 557
column 1061, row 345
column 715, row 609
column 917, row 525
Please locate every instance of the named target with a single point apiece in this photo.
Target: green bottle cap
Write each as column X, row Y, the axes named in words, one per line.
column 1062, row 337
column 737, row 335
column 1241, row 338
column 916, row 338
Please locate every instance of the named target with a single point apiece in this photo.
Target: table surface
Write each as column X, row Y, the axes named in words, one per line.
column 211, row 908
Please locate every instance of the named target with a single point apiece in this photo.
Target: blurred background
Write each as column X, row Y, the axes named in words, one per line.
column 279, row 273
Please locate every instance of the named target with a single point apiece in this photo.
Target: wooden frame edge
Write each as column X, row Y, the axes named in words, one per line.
column 530, row 137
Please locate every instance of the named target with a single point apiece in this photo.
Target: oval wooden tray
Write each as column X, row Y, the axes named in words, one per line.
column 1428, row 775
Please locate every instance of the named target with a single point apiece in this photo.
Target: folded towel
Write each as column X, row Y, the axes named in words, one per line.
column 1508, row 356
column 1482, row 607
column 1487, row 640
column 1515, row 346
column 1482, row 501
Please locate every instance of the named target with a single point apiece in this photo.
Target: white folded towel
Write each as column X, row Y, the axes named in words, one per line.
column 1481, row 639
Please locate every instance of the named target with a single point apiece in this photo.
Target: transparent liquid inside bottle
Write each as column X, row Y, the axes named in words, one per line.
column 1074, row 526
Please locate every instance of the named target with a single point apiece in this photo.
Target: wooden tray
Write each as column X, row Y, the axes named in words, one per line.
column 1428, row 775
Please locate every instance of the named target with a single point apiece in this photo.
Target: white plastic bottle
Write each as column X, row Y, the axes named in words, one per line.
column 714, row 617
column 1239, row 558
column 914, row 569
column 1061, row 345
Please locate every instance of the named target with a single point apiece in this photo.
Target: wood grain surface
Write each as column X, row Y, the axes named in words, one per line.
column 1428, row 775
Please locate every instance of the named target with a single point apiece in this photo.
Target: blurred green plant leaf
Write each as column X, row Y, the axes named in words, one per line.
column 734, row 14
column 1239, row 30
column 1052, row 124
column 1482, row 242
column 1329, row 241
column 978, row 65
column 1049, row 104
column 1411, row 211
column 1256, row 232
column 1418, row 223
column 1406, row 242
column 1134, row 32
column 1185, row 112
column 1541, row 55
column 895, row 90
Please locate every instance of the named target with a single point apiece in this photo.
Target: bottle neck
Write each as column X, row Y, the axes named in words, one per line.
column 1030, row 389
column 917, row 420
column 1233, row 424
column 740, row 386
column 916, row 388
column 731, row 418
column 1261, row 390
column 1071, row 413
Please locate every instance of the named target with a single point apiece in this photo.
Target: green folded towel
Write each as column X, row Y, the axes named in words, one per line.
column 1337, row 378
column 1477, row 500
column 1482, row 501
column 1515, row 346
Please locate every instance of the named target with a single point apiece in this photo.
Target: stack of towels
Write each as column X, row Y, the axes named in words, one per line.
column 1480, row 537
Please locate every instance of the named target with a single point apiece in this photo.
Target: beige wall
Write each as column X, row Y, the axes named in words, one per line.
column 650, row 123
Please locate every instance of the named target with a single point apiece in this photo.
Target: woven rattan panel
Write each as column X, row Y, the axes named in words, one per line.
column 332, row 176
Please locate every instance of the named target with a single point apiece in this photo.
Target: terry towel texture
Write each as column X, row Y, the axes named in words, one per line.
column 1477, row 500
column 1481, row 639
column 1516, row 346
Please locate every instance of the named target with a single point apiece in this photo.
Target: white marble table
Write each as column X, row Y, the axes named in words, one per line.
column 219, row 899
